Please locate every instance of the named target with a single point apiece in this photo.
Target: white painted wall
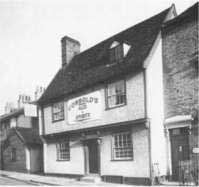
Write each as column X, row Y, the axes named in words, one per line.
column 13, row 122
column 74, row 166
column 138, row 167
column 40, row 121
column 155, row 107
column 27, row 151
column 132, row 111
column 45, row 158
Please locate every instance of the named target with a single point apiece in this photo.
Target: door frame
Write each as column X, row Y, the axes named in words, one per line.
column 86, row 156
column 172, row 139
column 172, row 123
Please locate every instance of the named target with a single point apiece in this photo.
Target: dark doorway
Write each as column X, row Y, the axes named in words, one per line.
column 179, row 149
column 93, row 156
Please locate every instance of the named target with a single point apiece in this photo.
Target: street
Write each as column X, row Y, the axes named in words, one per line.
column 8, row 181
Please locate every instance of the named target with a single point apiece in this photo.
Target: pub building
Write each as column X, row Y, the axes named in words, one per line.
column 101, row 117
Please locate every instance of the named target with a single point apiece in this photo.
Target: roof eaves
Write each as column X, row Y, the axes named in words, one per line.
column 11, row 114
column 119, row 36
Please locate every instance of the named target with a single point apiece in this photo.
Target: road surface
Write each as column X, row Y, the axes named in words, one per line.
column 8, row 181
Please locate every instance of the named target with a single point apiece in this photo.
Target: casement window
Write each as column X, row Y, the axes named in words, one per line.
column 116, row 53
column 122, row 147
column 63, row 151
column 13, row 154
column 116, row 94
column 58, row 111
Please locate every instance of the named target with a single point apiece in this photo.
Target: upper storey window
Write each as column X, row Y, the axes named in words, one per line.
column 116, row 94
column 116, row 53
column 58, row 111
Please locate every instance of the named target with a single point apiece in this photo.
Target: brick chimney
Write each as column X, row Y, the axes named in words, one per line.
column 38, row 92
column 9, row 107
column 23, row 99
column 70, row 47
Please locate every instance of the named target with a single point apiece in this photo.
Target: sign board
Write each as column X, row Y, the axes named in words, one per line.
column 85, row 108
column 196, row 150
column 30, row 110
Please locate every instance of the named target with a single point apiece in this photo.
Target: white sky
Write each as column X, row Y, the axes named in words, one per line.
column 30, row 33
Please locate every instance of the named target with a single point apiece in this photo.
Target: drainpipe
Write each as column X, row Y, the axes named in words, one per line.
column 148, row 126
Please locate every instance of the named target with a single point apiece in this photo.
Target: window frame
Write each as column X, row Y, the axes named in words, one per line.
column 67, row 149
column 54, row 113
column 13, row 154
column 107, row 96
column 113, row 157
column 113, row 56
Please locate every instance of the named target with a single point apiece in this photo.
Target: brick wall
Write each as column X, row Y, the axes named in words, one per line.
column 180, row 60
column 20, row 163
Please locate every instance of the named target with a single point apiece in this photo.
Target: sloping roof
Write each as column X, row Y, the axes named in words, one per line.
column 29, row 136
column 191, row 12
column 14, row 113
column 92, row 66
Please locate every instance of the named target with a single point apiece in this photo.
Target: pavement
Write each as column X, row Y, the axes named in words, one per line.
column 16, row 178
column 35, row 179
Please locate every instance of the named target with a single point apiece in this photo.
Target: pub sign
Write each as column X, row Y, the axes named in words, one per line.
column 85, row 108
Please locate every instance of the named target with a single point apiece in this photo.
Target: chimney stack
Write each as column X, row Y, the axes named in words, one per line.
column 23, row 99
column 38, row 92
column 9, row 107
column 70, row 47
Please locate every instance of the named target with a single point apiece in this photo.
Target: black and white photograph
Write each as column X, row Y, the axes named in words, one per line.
column 99, row 93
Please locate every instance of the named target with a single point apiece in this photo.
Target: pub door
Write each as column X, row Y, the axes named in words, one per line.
column 92, row 156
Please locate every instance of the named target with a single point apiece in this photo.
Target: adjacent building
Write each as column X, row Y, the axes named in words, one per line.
column 102, row 114
column 181, row 82
column 21, row 146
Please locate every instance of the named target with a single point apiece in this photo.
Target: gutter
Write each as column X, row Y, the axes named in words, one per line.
column 11, row 114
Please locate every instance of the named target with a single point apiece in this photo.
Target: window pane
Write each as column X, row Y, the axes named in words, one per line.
column 58, row 111
column 122, row 146
column 116, row 53
column 63, row 151
column 116, row 94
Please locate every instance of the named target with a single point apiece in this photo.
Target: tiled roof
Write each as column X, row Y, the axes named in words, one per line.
column 29, row 136
column 92, row 66
column 14, row 113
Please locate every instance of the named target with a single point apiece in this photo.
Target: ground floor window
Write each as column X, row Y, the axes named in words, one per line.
column 63, row 151
column 122, row 147
column 13, row 154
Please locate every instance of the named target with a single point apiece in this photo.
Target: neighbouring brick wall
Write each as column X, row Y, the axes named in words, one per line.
column 20, row 163
column 180, row 66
